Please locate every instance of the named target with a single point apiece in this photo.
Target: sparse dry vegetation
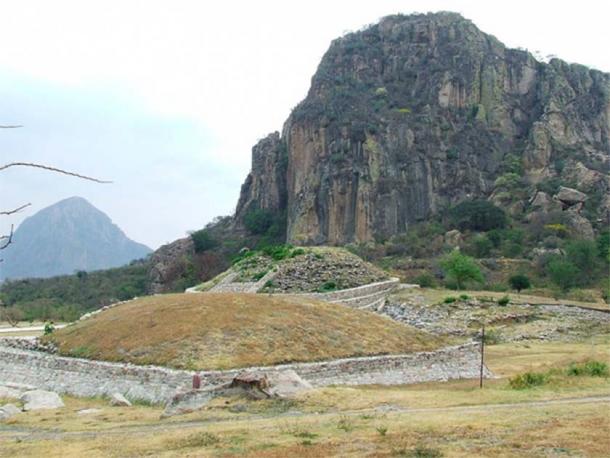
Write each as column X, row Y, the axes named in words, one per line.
column 223, row 330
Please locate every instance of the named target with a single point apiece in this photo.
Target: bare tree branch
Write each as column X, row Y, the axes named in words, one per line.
column 52, row 169
column 8, row 239
column 16, row 210
column 10, row 127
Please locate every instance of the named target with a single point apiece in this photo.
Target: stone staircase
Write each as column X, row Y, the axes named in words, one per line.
column 229, row 285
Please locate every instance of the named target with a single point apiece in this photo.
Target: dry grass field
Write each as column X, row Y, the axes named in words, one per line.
column 224, row 330
column 568, row 417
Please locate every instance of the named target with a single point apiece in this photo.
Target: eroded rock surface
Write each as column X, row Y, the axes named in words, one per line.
column 419, row 112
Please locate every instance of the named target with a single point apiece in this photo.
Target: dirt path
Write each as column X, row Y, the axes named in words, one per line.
column 23, row 433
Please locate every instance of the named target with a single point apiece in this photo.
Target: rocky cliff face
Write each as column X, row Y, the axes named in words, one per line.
column 416, row 113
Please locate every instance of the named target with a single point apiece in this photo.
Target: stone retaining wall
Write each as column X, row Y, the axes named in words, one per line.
column 360, row 297
column 154, row 384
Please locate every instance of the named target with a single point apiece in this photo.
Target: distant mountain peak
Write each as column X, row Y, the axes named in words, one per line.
column 65, row 237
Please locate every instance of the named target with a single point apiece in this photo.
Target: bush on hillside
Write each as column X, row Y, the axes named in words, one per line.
column 478, row 215
column 461, row 269
column 584, row 255
column 480, row 246
column 424, row 280
column 203, row 241
column 258, row 221
column 503, row 301
column 563, row 273
column 519, row 282
column 603, row 245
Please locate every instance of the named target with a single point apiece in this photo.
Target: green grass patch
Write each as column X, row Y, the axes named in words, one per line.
column 588, row 368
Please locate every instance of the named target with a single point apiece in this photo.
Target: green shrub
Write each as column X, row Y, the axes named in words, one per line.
column 480, row 246
column 509, row 180
column 203, row 241
column 492, row 337
column 278, row 252
column 425, row 280
column 478, row 215
column 345, row 424
column 584, row 255
column 603, row 245
column 49, row 328
column 382, row 430
column 258, row 275
column 258, row 221
column 449, row 300
column 297, row 252
column 563, row 273
column 519, row 282
column 461, row 269
column 589, row 368
column 527, row 380
column 381, row 92
column 328, row 286
column 503, row 301
column 464, row 297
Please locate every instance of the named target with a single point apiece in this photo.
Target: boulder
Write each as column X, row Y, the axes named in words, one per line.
column 192, row 400
column 9, row 392
column 8, row 410
column 570, row 196
column 286, row 384
column 541, row 201
column 41, row 399
column 118, row 400
column 579, row 225
column 453, row 238
column 254, row 384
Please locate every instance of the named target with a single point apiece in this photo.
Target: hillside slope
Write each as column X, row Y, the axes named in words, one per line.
column 417, row 113
column 222, row 331
column 69, row 236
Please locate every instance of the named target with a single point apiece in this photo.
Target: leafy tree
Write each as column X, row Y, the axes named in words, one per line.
column 478, row 215
column 203, row 241
column 461, row 269
column 584, row 255
column 603, row 244
column 519, row 282
column 258, row 221
column 563, row 273
column 481, row 246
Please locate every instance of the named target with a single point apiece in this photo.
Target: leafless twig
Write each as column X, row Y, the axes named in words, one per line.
column 8, row 239
column 16, row 210
column 10, row 127
column 52, row 169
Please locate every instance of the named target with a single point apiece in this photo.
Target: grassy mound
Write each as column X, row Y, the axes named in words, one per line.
column 225, row 330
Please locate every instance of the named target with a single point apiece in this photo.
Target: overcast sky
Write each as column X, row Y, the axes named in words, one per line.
column 166, row 98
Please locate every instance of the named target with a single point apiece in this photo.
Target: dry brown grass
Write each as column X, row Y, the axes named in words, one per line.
column 223, row 330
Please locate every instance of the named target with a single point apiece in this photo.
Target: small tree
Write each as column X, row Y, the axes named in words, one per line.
column 519, row 282
column 584, row 255
column 563, row 273
column 203, row 241
column 478, row 215
column 258, row 221
column 461, row 269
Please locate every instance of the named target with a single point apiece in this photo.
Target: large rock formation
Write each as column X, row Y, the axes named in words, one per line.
column 419, row 112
